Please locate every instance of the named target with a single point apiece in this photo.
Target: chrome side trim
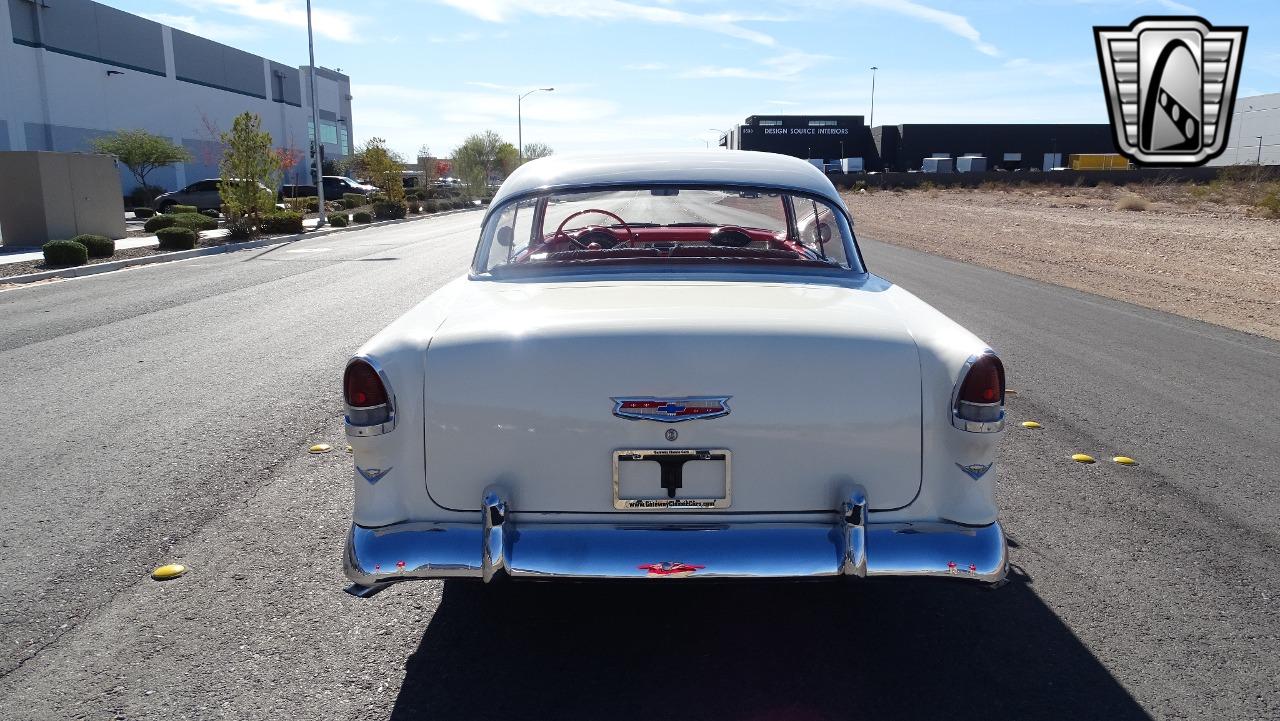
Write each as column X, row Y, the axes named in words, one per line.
column 359, row 431
column 964, row 424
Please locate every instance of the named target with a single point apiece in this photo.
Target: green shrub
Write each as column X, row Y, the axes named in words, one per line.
column 375, row 198
column 390, row 210
column 159, row 222
column 281, row 222
column 65, row 252
column 99, row 246
column 240, row 229
column 176, row 209
column 1269, row 205
column 352, row 200
column 313, row 204
column 362, row 217
column 143, row 212
column 338, row 220
column 176, row 238
column 194, row 221
column 415, row 207
column 210, row 213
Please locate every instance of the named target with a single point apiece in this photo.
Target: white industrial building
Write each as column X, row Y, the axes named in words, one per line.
column 1255, row 132
column 72, row 70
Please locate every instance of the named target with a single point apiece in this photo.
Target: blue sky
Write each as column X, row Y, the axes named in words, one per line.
column 662, row 73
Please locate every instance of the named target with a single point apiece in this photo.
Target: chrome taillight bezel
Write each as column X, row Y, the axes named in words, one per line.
column 992, row 414
column 353, row 415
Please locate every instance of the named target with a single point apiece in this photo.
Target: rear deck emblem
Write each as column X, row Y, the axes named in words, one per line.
column 670, row 569
column 670, row 410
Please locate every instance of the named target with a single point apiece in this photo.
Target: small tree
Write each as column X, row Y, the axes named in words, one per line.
column 141, row 152
column 479, row 157
column 383, row 167
column 533, row 151
column 247, row 161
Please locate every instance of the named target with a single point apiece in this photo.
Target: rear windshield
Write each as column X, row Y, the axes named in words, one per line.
column 665, row 226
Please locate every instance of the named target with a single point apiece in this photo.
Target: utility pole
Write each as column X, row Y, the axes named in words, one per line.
column 315, row 121
column 1259, row 150
column 1240, row 138
column 872, row 122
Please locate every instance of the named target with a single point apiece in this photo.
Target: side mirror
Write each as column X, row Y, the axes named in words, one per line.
column 505, row 236
column 824, row 232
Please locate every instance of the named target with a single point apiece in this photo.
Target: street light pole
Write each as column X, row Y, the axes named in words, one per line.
column 872, row 122
column 1259, row 150
column 315, row 121
column 520, row 118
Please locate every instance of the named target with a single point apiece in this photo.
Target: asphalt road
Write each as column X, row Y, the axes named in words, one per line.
column 164, row 414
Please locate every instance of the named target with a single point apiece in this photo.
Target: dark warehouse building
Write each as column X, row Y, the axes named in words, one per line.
column 1009, row 146
column 904, row 147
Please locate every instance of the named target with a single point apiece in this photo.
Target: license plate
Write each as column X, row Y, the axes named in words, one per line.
column 671, row 479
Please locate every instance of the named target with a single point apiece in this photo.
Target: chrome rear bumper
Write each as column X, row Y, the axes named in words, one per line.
column 378, row 557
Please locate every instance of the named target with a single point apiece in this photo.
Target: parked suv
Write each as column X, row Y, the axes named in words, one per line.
column 335, row 186
column 203, row 194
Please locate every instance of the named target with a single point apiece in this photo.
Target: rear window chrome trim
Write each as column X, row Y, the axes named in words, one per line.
column 835, row 201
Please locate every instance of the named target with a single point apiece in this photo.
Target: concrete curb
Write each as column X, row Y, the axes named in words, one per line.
column 81, row 271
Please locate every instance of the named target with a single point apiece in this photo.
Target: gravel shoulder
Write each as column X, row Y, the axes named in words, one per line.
column 1199, row 260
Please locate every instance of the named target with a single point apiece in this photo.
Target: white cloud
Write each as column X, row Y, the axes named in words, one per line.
column 223, row 33
column 953, row 23
column 332, row 24
column 1178, row 7
column 782, row 67
column 498, row 11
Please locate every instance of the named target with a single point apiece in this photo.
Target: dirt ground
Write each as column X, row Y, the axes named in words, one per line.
column 1184, row 254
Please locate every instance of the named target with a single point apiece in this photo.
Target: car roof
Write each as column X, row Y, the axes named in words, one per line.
column 710, row 167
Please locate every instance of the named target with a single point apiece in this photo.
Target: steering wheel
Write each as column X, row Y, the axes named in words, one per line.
column 631, row 236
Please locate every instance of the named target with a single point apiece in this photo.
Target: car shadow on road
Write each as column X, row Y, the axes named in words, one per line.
column 804, row 652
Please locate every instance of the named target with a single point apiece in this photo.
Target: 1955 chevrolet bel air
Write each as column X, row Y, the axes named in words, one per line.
column 670, row 366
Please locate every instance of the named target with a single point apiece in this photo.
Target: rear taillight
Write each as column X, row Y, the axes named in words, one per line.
column 366, row 395
column 979, row 404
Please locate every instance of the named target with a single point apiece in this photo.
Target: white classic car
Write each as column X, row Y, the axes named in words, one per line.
column 672, row 366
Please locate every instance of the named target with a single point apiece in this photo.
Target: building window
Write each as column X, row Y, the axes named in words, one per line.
column 770, row 123
column 328, row 133
column 822, row 123
column 344, row 145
